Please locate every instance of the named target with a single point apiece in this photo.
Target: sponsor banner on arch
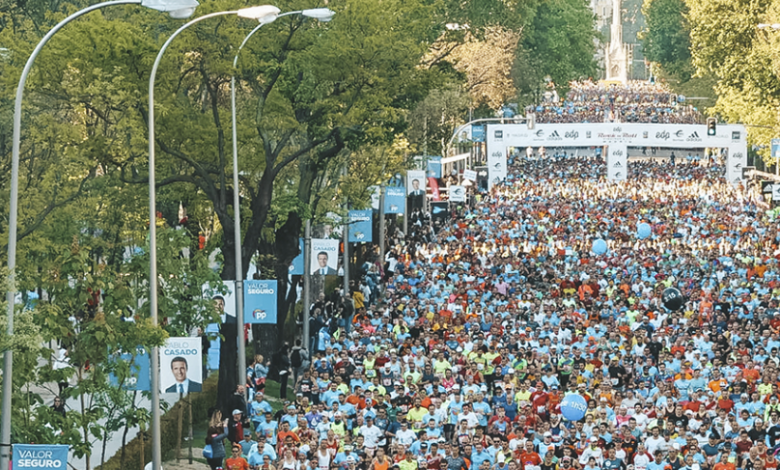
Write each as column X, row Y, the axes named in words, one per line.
column 40, row 456
column 736, row 162
column 260, row 301
column 617, row 162
column 500, row 137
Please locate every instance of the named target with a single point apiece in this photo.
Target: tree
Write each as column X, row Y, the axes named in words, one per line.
column 666, row 39
column 726, row 43
column 559, row 41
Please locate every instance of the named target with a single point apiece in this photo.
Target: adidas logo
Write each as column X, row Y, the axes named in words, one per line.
column 554, row 136
column 617, row 165
column 694, row 137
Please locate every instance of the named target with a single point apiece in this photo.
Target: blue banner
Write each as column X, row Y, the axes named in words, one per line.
column 477, row 133
column 360, row 226
column 260, row 302
column 139, row 378
column 35, row 457
column 296, row 268
column 434, row 167
column 395, row 200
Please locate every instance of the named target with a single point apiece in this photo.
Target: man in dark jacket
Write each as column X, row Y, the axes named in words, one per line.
column 236, row 426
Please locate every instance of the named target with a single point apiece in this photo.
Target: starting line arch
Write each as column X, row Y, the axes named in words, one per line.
column 617, row 137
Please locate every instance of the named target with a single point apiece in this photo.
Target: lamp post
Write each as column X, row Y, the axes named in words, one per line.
column 259, row 13
column 322, row 14
column 176, row 9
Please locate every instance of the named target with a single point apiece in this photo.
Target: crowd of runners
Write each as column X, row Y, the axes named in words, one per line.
column 594, row 102
column 463, row 361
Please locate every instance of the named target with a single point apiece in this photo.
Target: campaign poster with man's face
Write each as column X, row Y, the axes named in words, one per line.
column 324, row 256
column 225, row 303
column 415, row 182
column 180, row 366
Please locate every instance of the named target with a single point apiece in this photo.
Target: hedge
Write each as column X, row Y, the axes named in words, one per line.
column 201, row 403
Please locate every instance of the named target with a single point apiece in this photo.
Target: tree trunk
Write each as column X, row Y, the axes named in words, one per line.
column 228, row 358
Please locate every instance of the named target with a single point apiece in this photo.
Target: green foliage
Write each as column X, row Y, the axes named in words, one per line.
column 726, row 43
column 436, row 117
column 666, row 39
column 559, row 41
column 201, row 404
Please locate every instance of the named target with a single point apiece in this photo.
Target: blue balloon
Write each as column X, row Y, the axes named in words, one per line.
column 599, row 247
column 573, row 407
column 643, row 231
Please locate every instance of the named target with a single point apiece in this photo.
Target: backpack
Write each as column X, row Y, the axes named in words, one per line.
column 295, row 358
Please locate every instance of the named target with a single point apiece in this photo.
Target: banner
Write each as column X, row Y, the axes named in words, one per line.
column 500, row 137
column 224, row 303
column 260, row 301
column 360, row 226
column 434, row 167
column 40, row 456
column 470, row 175
column 617, row 162
column 139, row 378
column 457, row 194
column 434, row 189
column 477, row 132
column 736, row 160
column 395, row 200
column 181, row 366
column 496, row 156
column 415, row 189
column 297, row 267
column 324, row 256
column 440, row 212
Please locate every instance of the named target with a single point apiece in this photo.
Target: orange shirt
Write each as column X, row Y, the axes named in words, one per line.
column 238, row 463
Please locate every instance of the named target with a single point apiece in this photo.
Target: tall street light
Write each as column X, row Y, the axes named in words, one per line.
column 176, row 9
column 264, row 14
column 322, row 14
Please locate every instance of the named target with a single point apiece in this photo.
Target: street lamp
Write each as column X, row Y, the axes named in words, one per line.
column 263, row 14
column 176, row 9
column 322, row 14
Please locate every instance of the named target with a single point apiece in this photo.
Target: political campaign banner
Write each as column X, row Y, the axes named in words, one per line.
column 224, row 303
column 40, row 456
column 138, row 378
column 260, row 301
column 457, row 193
column 297, row 266
column 477, row 132
column 181, row 366
column 395, row 200
column 324, row 256
column 415, row 182
column 415, row 189
column 360, row 226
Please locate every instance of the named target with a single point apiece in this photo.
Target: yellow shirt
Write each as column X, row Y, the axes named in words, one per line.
column 441, row 366
column 522, row 396
column 416, row 415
